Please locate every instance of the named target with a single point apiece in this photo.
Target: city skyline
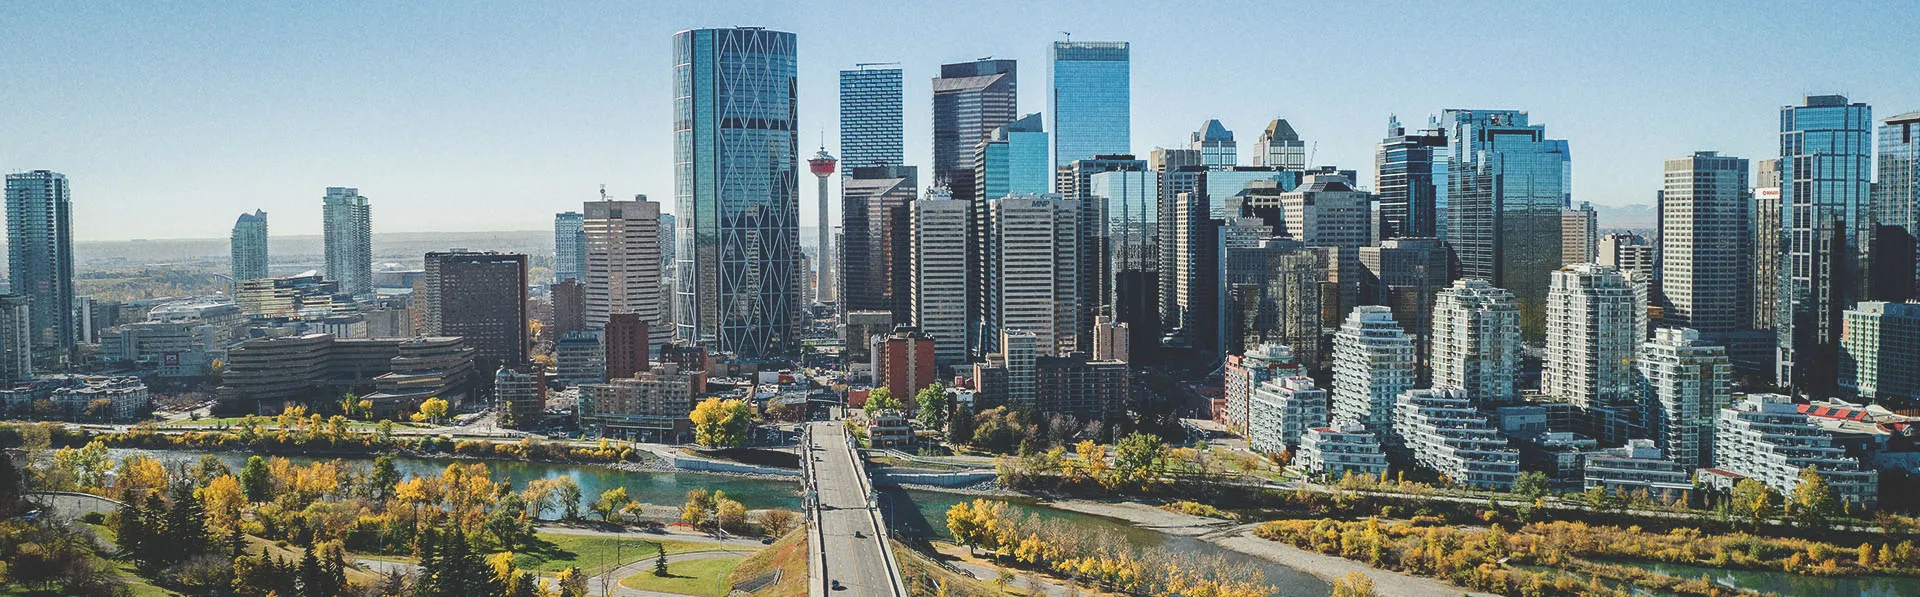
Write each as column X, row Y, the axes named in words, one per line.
column 452, row 118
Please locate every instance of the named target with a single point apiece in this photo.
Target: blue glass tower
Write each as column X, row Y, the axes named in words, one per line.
column 871, row 133
column 1013, row 160
column 40, row 259
column 1410, row 180
column 1826, row 173
column 736, row 188
column 1506, row 184
column 569, row 246
column 1091, row 96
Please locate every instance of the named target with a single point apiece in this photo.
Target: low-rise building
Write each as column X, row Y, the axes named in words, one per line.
column 1638, row 466
column 1560, row 454
column 579, row 359
column 1343, row 447
column 1767, row 437
column 650, row 406
column 523, row 397
column 1444, row 432
column 1073, row 385
column 888, row 428
column 1244, row 372
column 1282, row 410
column 264, row 373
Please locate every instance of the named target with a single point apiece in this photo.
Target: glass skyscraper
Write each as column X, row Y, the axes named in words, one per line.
column 1091, row 99
column 970, row 100
column 40, row 259
column 249, row 244
column 1215, row 142
column 871, row 133
column 569, row 246
column 1898, row 200
column 1826, row 173
column 1410, row 181
column 1013, row 160
column 1506, row 183
column 736, row 187
column 347, row 219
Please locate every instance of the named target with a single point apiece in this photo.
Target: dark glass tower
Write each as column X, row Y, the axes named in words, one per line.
column 40, row 259
column 871, row 133
column 1506, row 183
column 970, row 100
column 737, row 191
column 1410, row 180
column 1826, row 173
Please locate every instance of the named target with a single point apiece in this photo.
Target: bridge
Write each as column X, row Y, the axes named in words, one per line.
column 848, row 549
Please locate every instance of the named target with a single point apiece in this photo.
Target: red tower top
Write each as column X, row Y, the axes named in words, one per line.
column 822, row 163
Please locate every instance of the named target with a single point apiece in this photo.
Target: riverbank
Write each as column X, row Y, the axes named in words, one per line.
column 1145, row 516
column 1329, row 568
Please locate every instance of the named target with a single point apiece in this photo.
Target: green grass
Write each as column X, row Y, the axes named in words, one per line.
column 553, row 552
column 706, row 577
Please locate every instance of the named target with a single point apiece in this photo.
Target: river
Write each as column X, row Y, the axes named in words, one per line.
column 927, row 516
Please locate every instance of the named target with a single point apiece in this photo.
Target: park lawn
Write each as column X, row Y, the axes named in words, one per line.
column 553, row 552
column 788, row 555
column 706, row 577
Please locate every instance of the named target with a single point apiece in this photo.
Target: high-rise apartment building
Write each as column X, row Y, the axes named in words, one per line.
column 1215, row 142
column 481, row 298
column 1769, row 243
column 736, row 151
column 904, row 363
column 623, row 264
column 1476, row 341
column 1826, row 174
column 250, row 246
column 872, row 132
column 1031, row 265
column 1410, row 181
column 348, row 221
column 1090, row 95
column 1372, row 365
column 939, row 274
column 1596, row 321
column 875, row 240
column 40, row 259
column 624, row 344
column 1704, row 273
column 1506, row 183
column 1687, row 383
column 1579, row 234
column 1280, row 147
column 970, row 100
column 569, row 246
column 522, row 396
column 1880, row 354
column 16, row 338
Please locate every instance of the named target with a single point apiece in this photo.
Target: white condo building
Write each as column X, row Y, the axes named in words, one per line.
column 1345, row 446
column 1244, row 372
column 1282, row 410
column 1373, row 362
column 1031, row 265
column 1596, row 320
column 1638, row 466
column 1687, row 383
column 939, row 273
column 1476, row 340
column 1880, row 354
column 1444, row 431
column 1766, row 437
column 623, row 265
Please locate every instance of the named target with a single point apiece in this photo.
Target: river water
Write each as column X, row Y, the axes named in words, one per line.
column 926, row 517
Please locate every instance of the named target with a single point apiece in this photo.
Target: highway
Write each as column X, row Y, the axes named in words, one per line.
column 861, row 564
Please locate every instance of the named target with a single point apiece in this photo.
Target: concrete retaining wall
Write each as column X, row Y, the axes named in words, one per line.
column 959, row 479
column 689, row 463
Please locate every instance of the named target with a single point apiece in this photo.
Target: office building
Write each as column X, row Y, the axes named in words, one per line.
column 396, row 374
column 1444, row 431
column 250, row 246
column 522, row 398
column 1896, row 201
column 903, row 362
column 1089, row 390
column 569, row 246
column 939, row 274
column 1687, row 383
column 1280, row 147
column 1407, row 274
column 626, row 341
column 1475, row 343
column 1326, row 211
column 1372, row 365
column 482, row 299
column 1880, row 354
column 736, row 175
column 1245, row 372
column 1639, row 467
column 1766, row 437
column 348, row 230
column 1012, row 160
column 569, row 298
column 970, row 100
column 872, row 132
column 623, row 265
column 1703, row 244
column 1032, row 263
column 1579, row 234
column 651, row 406
column 1409, row 184
column 1628, row 252
column 40, row 259
column 1090, row 98
column 1343, row 447
column 16, row 339
column 875, row 240
column 860, row 330
column 1596, row 322
column 1018, row 351
column 1768, row 248
column 578, row 358
column 1826, row 152
column 1281, row 410
column 1119, row 232
column 1506, row 184
column 1215, row 142
column 1111, row 340
column 1270, row 292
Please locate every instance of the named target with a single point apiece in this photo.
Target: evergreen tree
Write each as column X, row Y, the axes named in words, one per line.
column 524, row 585
column 313, row 577
column 456, row 571
column 10, row 488
column 130, row 532
column 236, row 542
column 153, row 546
column 660, row 561
column 385, row 476
column 256, row 480
column 186, row 526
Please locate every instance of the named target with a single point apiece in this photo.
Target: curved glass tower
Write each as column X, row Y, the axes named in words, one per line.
column 736, row 190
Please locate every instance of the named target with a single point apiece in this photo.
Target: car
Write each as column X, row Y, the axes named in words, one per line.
column 766, row 541
column 859, row 535
column 838, row 587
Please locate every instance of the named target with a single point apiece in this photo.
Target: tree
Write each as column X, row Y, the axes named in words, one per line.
column 186, row 534
column 1138, row 460
column 223, row 500
column 10, row 488
column 721, row 423
column 879, row 399
column 256, row 480
column 434, row 409
column 1531, row 485
column 450, row 568
column 385, row 475
column 384, row 431
column 611, row 502
column 777, row 522
column 1814, row 501
column 571, row 582
column 660, row 561
column 1354, row 584
column 1754, row 500
column 730, row 515
column 699, row 504
column 130, row 534
column 932, row 403
column 569, row 496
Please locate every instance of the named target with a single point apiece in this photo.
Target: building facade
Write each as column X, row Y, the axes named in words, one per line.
column 250, row 246
column 569, row 246
column 1506, row 184
column 1704, row 273
column 875, row 240
column 1245, row 372
column 1341, row 448
column 1826, row 173
column 1687, row 384
column 1766, row 437
column 1579, row 234
column 1031, row 266
column 1280, row 147
column 939, row 296
column 40, row 259
column 1216, row 146
column 1090, row 98
column 1281, row 411
column 1476, row 341
column 623, row 265
column 481, row 298
column 1596, row 322
column 348, row 231
column 970, row 100
column 1880, row 354
column 1373, row 364
column 1444, row 431
column 872, row 129
column 1410, row 181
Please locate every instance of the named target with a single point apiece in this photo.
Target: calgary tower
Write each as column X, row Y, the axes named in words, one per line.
column 822, row 165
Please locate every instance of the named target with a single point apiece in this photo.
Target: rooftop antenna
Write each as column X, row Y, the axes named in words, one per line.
column 1069, row 36
column 603, row 193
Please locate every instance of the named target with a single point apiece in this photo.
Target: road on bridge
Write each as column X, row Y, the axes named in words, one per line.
column 847, row 541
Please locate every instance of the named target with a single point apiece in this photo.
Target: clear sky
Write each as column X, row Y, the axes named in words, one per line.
column 172, row 118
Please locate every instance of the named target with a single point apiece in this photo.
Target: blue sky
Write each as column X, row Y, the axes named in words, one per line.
column 172, row 118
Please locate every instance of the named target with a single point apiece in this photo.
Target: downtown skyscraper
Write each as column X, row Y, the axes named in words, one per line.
column 1897, row 195
column 1703, row 269
column 871, row 113
column 569, row 246
column 737, row 195
column 348, row 221
column 970, row 100
column 1826, row 173
column 249, row 246
column 1410, row 181
column 1091, row 99
column 621, row 245
column 875, row 208
column 1506, row 183
column 40, row 259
